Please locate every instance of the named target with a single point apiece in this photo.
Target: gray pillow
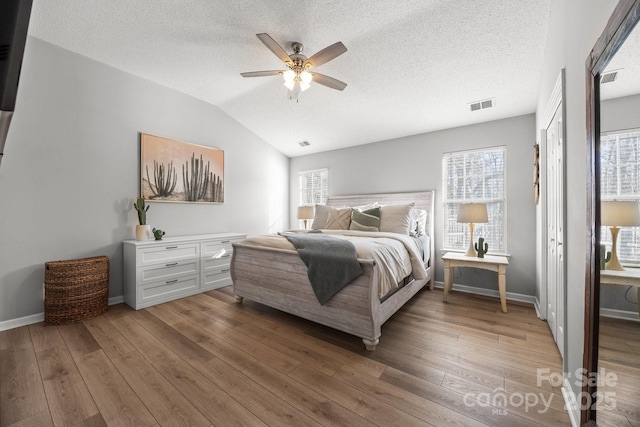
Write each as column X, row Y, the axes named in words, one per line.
column 368, row 220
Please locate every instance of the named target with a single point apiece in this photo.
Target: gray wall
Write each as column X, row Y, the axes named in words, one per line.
column 617, row 115
column 71, row 170
column 574, row 27
column 414, row 163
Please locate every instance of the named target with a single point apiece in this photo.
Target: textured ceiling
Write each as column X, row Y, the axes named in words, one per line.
column 412, row 66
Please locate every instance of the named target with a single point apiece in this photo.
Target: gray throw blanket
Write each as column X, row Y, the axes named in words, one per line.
column 331, row 262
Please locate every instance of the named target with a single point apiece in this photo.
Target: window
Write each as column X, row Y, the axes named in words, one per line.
column 314, row 187
column 620, row 180
column 475, row 176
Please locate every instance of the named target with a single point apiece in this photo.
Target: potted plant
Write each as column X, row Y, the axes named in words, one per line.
column 143, row 230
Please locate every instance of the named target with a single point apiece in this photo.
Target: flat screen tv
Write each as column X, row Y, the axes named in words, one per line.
column 14, row 24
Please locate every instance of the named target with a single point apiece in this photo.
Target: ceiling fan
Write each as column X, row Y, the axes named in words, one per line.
column 297, row 77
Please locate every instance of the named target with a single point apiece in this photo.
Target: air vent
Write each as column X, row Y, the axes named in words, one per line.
column 609, row 76
column 481, row 105
column 304, row 143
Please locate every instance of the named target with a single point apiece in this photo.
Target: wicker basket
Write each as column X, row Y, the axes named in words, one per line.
column 75, row 290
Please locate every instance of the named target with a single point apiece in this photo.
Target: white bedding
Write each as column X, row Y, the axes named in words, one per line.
column 396, row 255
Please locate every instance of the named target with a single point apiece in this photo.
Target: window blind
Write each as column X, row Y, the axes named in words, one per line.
column 475, row 176
column 620, row 180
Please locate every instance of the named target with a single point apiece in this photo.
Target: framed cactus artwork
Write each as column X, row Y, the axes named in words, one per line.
column 182, row 172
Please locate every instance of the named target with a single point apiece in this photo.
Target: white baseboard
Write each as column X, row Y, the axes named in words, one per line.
column 536, row 305
column 620, row 314
column 116, row 300
column 571, row 404
column 490, row 293
column 36, row 318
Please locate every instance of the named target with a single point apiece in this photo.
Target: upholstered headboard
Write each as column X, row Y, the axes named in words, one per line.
column 422, row 199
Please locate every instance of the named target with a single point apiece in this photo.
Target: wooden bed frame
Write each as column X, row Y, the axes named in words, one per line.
column 278, row 278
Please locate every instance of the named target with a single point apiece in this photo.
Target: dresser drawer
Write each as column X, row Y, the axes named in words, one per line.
column 217, row 248
column 168, row 270
column 216, row 263
column 216, row 278
column 166, row 290
column 168, row 253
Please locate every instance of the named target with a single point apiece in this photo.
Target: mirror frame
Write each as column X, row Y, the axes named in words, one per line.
column 620, row 24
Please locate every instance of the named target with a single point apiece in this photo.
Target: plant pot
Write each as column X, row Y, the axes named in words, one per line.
column 143, row 232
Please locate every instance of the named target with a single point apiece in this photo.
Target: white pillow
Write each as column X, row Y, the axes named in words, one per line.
column 418, row 222
column 396, row 218
column 320, row 217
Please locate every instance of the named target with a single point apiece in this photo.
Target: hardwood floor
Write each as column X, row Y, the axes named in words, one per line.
column 206, row 361
column 619, row 360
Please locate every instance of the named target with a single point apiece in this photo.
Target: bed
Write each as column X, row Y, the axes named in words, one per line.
column 277, row 277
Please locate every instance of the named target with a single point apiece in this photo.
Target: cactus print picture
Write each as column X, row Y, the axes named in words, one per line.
column 176, row 171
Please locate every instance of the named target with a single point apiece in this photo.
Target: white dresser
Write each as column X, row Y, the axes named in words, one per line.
column 157, row 271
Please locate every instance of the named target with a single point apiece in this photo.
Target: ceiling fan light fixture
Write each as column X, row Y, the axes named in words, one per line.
column 305, row 80
column 289, row 76
column 297, row 78
column 306, row 77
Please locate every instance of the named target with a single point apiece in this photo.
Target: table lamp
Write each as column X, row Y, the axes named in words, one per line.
column 616, row 214
column 473, row 213
column 305, row 213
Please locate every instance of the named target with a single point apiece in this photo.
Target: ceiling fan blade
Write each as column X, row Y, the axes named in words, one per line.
column 261, row 73
column 274, row 47
column 326, row 54
column 328, row 81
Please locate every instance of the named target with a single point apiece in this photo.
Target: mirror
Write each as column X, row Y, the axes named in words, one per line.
column 619, row 330
column 612, row 345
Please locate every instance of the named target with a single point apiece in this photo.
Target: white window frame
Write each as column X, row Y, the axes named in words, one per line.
column 313, row 197
column 461, row 230
column 629, row 237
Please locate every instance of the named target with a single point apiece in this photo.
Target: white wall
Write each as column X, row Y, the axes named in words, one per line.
column 414, row 163
column 574, row 27
column 71, row 170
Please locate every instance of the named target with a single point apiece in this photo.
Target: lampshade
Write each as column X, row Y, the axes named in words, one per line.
column 620, row 213
column 472, row 213
column 305, row 212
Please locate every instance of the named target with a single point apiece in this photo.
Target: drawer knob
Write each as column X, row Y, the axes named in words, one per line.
column 226, row 269
column 171, row 281
column 171, row 247
column 171, row 264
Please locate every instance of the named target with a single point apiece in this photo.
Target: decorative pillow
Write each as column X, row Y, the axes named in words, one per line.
column 338, row 219
column 396, row 218
column 366, row 207
column 368, row 220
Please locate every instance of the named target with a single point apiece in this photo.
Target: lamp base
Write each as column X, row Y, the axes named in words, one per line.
column 614, row 263
column 471, row 251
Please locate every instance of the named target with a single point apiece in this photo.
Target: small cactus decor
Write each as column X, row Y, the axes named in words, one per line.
column 605, row 256
column 158, row 233
column 142, row 210
column 481, row 247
